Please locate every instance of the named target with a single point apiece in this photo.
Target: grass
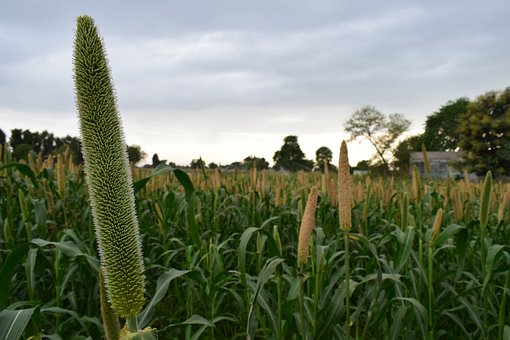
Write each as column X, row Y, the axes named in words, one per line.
column 220, row 261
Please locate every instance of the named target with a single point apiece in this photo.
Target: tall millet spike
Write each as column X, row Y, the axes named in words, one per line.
column 307, row 224
column 344, row 189
column 107, row 172
column 436, row 227
column 485, row 199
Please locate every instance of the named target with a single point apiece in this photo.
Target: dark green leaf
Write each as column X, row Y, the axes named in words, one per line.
column 161, row 289
column 24, row 169
column 6, row 273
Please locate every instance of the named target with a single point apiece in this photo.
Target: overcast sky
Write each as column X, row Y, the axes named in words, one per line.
column 228, row 79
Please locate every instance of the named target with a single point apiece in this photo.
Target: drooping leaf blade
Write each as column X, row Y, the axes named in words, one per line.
column 13, row 260
column 161, row 289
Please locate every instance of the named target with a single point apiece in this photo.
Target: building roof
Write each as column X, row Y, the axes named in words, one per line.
column 437, row 155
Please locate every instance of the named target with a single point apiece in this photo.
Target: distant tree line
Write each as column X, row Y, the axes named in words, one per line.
column 480, row 128
column 290, row 157
column 23, row 142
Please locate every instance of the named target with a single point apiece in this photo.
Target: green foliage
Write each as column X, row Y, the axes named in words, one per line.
column 441, row 133
column 290, row 156
column 323, row 155
column 23, row 142
column 21, row 151
column 485, row 131
column 135, row 153
column 251, row 161
column 197, row 163
column 107, row 171
column 402, row 152
column 156, row 161
column 13, row 322
column 14, row 259
column 242, row 278
column 363, row 165
column 380, row 130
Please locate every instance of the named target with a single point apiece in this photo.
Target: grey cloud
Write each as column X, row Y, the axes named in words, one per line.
column 268, row 65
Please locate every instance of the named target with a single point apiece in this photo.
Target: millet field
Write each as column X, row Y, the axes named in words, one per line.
column 426, row 258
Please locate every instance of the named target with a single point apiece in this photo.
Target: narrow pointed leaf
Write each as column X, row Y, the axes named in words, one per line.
column 13, row 260
column 14, row 322
column 22, row 168
column 161, row 289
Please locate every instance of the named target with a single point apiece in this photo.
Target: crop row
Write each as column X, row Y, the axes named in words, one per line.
column 221, row 255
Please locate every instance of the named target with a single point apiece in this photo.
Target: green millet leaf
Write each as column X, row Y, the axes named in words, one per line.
column 107, row 171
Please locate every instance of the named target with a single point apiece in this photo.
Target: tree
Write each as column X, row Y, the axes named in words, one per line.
column 155, row 160
column 197, row 163
column 363, row 165
column 291, row 157
column 44, row 142
column 380, row 130
column 74, row 146
column 16, row 138
column 3, row 141
column 212, row 165
column 485, row 133
column 441, row 133
column 252, row 161
column 234, row 165
column 21, row 151
column 21, row 143
column 323, row 155
column 402, row 152
column 135, row 154
column 25, row 141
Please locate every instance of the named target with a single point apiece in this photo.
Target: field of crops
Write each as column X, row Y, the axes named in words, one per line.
column 221, row 257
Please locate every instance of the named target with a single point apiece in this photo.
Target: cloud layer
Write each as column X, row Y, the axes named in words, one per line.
column 228, row 79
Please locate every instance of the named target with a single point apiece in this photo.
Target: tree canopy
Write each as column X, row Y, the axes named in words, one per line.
column 291, row 157
column 324, row 155
column 441, row 133
column 252, row 161
column 379, row 129
column 485, row 133
column 23, row 142
column 197, row 163
column 135, row 153
column 402, row 152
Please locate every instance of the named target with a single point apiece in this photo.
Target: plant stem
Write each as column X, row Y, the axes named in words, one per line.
column 302, row 301
column 484, row 274
column 502, row 308
column 279, row 289
column 316, row 298
column 347, row 286
column 431, row 292
column 132, row 323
